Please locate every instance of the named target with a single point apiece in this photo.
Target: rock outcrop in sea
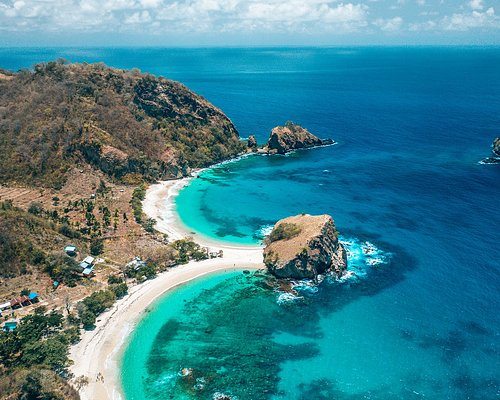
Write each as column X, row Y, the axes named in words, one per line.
column 289, row 137
column 304, row 246
column 495, row 148
column 252, row 143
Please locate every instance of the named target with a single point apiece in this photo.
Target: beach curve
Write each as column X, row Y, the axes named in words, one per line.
column 97, row 355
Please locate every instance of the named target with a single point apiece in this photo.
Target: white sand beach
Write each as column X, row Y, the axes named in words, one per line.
column 98, row 353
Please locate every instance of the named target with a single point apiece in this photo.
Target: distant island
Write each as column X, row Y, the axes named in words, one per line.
column 287, row 138
column 495, row 149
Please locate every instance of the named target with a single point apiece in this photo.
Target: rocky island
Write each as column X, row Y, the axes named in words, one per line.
column 495, row 148
column 290, row 137
column 304, row 246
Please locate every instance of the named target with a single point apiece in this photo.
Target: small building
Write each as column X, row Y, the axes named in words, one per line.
column 5, row 306
column 89, row 259
column 33, row 296
column 25, row 301
column 88, row 271
column 87, row 263
column 70, row 250
column 15, row 303
column 136, row 264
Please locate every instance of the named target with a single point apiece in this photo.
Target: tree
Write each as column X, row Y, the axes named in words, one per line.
column 99, row 301
column 87, row 319
column 119, row 289
column 52, row 352
column 96, row 247
column 62, row 267
column 31, row 388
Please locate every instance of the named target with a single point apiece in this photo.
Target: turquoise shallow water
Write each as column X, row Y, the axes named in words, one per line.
column 411, row 124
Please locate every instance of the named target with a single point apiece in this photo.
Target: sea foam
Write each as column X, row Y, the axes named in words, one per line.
column 362, row 256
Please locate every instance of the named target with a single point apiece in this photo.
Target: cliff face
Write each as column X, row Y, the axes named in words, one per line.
column 304, row 246
column 121, row 122
column 284, row 139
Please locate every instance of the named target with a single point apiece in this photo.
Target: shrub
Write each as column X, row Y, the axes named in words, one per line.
column 67, row 231
column 113, row 279
column 35, row 208
column 149, row 225
column 284, row 231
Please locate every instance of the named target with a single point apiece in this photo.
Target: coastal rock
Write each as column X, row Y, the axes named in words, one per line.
column 304, row 246
column 252, row 143
column 289, row 137
column 496, row 147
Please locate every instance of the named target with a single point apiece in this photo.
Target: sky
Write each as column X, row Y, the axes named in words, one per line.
column 247, row 22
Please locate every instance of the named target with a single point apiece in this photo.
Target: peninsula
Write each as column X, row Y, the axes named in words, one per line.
column 81, row 144
column 87, row 219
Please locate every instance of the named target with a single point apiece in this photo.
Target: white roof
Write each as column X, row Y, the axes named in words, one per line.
column 89, row 260
column 5, row 305
column 70, row 248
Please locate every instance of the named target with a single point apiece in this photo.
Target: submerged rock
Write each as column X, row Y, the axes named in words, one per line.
column 304, row 246
column 284, row 139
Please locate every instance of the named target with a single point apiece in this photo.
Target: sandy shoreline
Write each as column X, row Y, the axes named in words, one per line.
column 99, row 350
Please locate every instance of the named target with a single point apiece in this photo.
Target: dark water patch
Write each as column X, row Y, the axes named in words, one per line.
column 222, row 233
column 475, row 328
column 225, row 226
column 452, row 345
column 400, row 221
column 491, row 350
column 326, row 389
column 476, row 388
column 361, row 216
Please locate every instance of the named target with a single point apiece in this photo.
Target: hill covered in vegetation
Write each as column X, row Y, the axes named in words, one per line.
column 124, row 123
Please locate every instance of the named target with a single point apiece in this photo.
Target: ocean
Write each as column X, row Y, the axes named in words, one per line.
column 419, row 317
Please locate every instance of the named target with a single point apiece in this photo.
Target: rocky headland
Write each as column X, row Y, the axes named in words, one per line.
column 124, row 124
column 304, row 246
column 290, row 137
column 495, row 158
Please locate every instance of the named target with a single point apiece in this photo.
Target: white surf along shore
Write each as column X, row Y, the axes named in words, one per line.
column 97, row 355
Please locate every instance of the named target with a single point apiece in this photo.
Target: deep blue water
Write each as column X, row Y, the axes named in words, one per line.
column 411, row 124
